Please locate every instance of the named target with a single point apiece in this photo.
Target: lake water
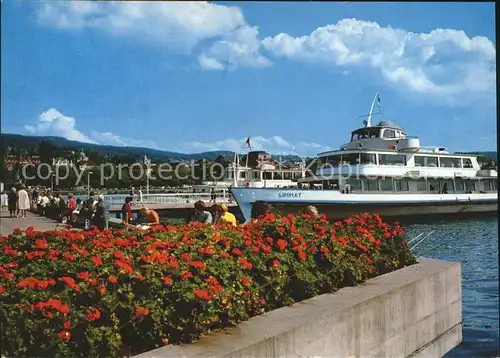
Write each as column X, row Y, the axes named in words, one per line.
column 473, row 242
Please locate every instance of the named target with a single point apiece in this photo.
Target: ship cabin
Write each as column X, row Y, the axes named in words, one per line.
column 260, row 171
column 384, row 159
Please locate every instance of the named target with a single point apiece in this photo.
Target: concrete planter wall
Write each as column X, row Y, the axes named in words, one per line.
column 413, row 312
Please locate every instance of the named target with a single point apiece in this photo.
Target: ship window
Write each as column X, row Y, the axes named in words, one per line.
column 355, row 184
column 488, row 185
column 421, row 185
column 425, row 161
column 334, row 160
column 433, row 185
column 370, row 185
column 401, row 185
column 389, row 133
column 449, row 186
column 446, row 162
column 459, row 185
column 242, row 175
column 469, row 185
column 368, row 158
column 467, row 163
column 354, row 137
column 268, row 175
column 391, row 159
column 350, row 159
column 386, row 185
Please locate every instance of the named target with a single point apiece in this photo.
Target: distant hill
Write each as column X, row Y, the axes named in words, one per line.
column 32, row 142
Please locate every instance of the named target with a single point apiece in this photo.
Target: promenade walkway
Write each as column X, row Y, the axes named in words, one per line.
column 40, row 223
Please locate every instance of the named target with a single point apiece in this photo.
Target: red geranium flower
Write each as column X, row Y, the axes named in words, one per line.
column 167, row 280
column 282, row 244
column 204, row 295
column 93, row 314
column 40, row 244
column 141, row 311
column 65, row 336
column 97, row 260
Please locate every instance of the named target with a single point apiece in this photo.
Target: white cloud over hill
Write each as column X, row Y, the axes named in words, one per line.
column 54, row 123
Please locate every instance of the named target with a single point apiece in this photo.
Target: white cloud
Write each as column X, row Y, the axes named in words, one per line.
column 273, row 145
column 109, row 138
column 242, row 48
column 181, row 24
column 53, row 122
column 442, row 62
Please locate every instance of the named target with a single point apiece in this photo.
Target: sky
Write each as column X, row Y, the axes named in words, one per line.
column 294, row 77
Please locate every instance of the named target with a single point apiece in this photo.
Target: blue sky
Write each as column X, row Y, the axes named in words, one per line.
column 295, row 77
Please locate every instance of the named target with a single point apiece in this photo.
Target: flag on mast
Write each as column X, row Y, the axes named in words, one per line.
column 248, row 143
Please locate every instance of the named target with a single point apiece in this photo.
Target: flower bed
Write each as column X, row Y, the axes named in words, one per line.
column 114, row 293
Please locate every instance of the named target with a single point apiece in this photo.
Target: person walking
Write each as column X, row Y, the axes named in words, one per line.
column 5, row 201
column 213, row 196
column 13, row 203
column 127, row 211
column 101, row 217
column 72, row 205
column 140, row 194
column 23, row 203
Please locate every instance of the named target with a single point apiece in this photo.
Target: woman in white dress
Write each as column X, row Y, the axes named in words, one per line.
column 23, row 202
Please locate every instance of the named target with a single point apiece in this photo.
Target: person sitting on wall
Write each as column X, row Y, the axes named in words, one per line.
column 151, row 217
column 227, row 216
column 217, row 214
column 201, row 214
column 259, row 209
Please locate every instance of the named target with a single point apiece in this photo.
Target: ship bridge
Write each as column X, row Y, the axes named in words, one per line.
column 385, row 135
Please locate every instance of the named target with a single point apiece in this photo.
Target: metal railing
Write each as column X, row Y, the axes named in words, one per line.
column 171, row 198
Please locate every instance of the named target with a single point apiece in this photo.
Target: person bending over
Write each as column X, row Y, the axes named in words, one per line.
column 151, row 216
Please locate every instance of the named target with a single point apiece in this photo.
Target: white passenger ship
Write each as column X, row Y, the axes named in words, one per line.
column 385, row 171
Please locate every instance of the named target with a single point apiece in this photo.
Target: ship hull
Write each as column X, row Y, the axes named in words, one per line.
column 336, row 205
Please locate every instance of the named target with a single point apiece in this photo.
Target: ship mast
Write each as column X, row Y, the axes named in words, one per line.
column 368, row 122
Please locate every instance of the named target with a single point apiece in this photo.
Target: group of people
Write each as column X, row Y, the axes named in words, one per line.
column 16, row 201
column 217, row 214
